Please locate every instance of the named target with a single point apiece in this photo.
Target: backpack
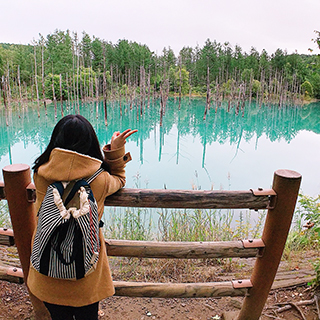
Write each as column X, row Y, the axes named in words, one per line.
column 66, row 244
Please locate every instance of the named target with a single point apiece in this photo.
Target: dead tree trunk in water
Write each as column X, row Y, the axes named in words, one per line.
column 3, row 89
column 54, row 97
column 8, row 88
column 180, row 83
column 111, row 83
column 20, row 92
column 78, row 69
column 142, row 89
column 42, row 79
column 36, row 81
column 149, row 88
column 190, row 90
column 217, row 95
column 26, row 96
column 68, row 91
column 161, row 105
column 97, row 96
column 208, row 94
column 61, row 102
column 104, row 88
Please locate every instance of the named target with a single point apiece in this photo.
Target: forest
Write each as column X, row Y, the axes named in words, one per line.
column 63, row 67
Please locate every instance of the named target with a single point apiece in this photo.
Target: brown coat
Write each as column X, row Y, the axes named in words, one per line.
column 65, row 165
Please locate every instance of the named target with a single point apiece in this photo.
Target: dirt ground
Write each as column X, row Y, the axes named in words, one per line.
column 15, row 303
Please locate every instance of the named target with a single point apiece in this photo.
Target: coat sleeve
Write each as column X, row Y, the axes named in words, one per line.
column 117, row 160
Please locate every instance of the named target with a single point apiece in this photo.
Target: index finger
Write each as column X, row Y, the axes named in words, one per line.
column 129, row 132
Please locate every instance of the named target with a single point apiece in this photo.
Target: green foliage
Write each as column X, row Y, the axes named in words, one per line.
column 64, row 53
column 174, row 76
column 309, row 208
column 59, row 49
column 256, row 87
column 97, row 54
column 86, row 49
column 227, row 86
column 307, row 89
column 247, row 75
column 56, row 84
column 316, row 282
column 317, row 39
column 305, row 233
column 314, row 80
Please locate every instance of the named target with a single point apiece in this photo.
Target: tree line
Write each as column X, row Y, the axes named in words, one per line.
column 63, row 67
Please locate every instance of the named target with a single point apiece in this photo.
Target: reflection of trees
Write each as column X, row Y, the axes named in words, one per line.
column 220, row 126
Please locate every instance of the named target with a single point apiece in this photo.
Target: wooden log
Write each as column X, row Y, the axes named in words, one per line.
column 179, row 250
column 6, row 237
column 2, row 193
column 177, row 290
column 166, row 250
column 192, row 199
column 11, row 274
column 195, row 199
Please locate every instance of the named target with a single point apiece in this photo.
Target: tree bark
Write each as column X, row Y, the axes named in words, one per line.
column 61, row 101
column 36, row 81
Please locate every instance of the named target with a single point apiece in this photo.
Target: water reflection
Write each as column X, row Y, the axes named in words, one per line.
column 172, row 141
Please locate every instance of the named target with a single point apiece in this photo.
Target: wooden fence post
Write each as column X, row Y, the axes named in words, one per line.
column 23, row 218
column 286, row 184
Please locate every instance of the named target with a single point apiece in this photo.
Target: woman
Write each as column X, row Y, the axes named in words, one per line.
column 74, row 153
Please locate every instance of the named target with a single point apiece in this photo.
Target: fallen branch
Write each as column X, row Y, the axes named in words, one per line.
column 290, row 305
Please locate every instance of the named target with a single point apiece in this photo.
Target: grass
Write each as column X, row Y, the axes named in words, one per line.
column 128, row 224
column 181, row 225
column 4, row 215
column 178, row 225
column 305, row 232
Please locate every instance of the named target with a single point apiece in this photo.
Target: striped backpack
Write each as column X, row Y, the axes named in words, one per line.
column 66, row 243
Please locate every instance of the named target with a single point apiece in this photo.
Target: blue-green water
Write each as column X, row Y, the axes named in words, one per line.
column 226, row 151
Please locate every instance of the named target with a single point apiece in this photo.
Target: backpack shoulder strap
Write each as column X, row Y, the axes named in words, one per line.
column 79, row 183
column 90, row 179
column 59, row 186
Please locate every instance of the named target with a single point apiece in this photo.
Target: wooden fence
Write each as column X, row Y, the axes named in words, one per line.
column 280, row 202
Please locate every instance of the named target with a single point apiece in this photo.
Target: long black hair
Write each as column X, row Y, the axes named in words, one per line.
column 75, row 133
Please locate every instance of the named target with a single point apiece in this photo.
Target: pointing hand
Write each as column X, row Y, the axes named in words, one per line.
column 119, row 139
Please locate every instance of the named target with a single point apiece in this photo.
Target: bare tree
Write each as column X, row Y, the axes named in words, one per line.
column 36, row 80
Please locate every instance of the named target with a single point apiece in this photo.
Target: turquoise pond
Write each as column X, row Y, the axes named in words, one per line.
column 226, row 151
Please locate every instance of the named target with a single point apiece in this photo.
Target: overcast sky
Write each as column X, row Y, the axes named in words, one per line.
column 263, row 24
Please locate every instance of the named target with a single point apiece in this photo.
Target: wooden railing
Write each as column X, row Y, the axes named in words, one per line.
column 279, row 201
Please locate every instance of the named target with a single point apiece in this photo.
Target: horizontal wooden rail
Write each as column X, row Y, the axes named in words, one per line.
column 170, row 249
column 178, row 290
column 182, row 250
column 6, row 237
column 157, row 290
column 11, row 274
column 195, row 199
column 180, row 199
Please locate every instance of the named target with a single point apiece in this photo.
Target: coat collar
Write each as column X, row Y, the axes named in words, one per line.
column 66, row 165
